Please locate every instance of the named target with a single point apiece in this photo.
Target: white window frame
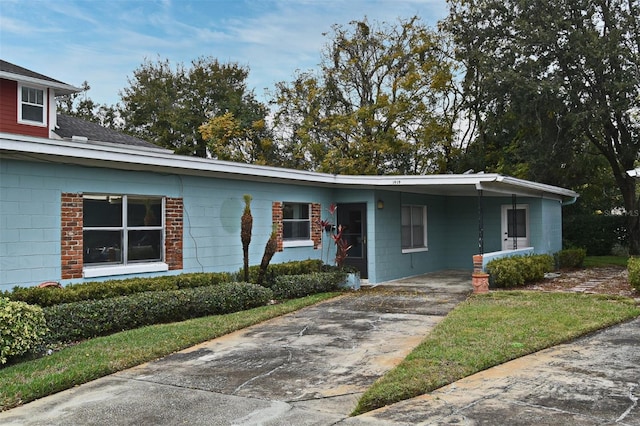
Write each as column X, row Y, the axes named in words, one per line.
column 425, row 247
column 44, row 106
column 290, row 242
column 126, row 267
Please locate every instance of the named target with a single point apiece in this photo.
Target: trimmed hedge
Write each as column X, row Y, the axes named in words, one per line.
column 80, row 320
column 49, row 296
column 571, row 258
column 22, row 328
column 294, row 286
column 298, row 267
column 516, row 271
column 633, row 266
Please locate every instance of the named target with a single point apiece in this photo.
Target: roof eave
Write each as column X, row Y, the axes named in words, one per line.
column 131, row 158
column 58, row 87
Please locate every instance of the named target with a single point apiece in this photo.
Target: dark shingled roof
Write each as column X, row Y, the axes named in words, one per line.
column 73, row 126
column 15, row 69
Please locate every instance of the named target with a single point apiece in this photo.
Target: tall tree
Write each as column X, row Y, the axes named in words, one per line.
column 82, row 106
column 167, row 105
column 550, row 79
column 383, row 102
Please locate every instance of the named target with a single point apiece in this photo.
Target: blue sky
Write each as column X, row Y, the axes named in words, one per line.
column 104, row 41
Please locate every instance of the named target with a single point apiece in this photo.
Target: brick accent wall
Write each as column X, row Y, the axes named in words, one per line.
column 173, row 232
column 276, row 218
column 71, row 237
column 316, row 229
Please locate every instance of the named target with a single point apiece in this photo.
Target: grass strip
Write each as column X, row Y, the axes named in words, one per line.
column 488, row 330
column 95, row 358
column 602, row 261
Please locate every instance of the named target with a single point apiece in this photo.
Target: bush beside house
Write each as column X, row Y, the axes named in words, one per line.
column 22, row 328
column 633, row 266
column 516, row 271
column 571, row 258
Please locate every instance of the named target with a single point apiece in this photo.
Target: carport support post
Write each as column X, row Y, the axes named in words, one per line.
column 479, row 278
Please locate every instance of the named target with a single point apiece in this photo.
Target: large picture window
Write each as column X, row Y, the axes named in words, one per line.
column 122, row 229
column 414, row 228
column 32, row 107
column 296, row 222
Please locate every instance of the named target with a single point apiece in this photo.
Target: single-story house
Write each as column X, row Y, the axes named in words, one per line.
column 79, row 202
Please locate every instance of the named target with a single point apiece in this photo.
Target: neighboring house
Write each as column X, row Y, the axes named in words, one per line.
column 634, row 173
column 82, row 203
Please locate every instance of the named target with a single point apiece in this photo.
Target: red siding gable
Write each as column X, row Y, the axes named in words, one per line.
column 9, row 112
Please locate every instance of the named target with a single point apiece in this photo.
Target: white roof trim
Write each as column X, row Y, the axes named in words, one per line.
column 60, row 88
column 634, row 173
column 110, row 155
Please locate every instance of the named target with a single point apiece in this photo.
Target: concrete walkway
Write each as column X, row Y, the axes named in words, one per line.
column 306, row 368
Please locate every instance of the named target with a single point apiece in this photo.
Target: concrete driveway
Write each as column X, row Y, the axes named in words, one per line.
column 310, row 367
column 305, row 368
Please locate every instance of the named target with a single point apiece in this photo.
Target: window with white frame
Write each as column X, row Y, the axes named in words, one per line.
column 32, row 105
column 296, row 222
column 414, row 228
column 122, row 229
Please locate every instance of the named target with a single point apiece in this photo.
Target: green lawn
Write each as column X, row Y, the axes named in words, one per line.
column 94, row 358
column 600, row 261
column 488, row 330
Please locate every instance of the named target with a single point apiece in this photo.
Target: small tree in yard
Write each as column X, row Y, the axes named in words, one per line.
column 269, row 251
column 245, row 233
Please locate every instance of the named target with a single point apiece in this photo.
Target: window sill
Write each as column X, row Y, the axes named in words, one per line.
column 297, row 243
column 32, row 123
column 415, row 250
column 136, row 268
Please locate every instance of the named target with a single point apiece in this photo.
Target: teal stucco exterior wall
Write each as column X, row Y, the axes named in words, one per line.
column 30, row 221
column 30, row 216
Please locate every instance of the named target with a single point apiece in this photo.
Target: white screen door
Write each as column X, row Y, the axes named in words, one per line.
column 515, row 226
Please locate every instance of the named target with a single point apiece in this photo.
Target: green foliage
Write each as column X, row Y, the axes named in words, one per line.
column 49, row 296
column 166, row 104
column 22, row 328
column 383, row 102
column 598, row 234
column 80, row 320
column 633, row 266
column 571, row 258
column 565, row 86
column 516, row 271
column 294, row 286
column 297, row 267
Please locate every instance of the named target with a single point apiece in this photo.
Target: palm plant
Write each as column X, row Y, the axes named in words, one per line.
column 245, row 233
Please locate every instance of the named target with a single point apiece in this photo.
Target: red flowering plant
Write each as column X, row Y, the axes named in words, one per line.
column 342, row 247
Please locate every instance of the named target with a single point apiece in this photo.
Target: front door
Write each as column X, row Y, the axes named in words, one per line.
column 515, row 226
column 353, row 218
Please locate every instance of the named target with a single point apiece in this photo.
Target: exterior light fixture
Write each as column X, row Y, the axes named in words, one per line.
column 380, row 204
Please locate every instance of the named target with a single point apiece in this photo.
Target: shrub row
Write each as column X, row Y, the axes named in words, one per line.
column 79, row 320
column 294, row 286
column 633, row 266
column 22, row 328
column 49, row 296
column 517, row 271
column 298, row 267
column 571, row 258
